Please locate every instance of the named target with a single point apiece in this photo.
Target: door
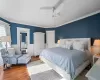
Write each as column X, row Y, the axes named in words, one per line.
column 50, row 39
column 39, row 43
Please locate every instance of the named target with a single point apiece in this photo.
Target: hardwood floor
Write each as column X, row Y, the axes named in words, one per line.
column 18, row 72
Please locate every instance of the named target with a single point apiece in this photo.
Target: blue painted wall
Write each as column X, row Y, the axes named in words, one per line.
column 86, row 28
column 14, row 31
column 32, row 30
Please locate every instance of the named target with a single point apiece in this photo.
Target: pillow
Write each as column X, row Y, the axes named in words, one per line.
column 63, row 45
column 68, row 44
column 78, row 45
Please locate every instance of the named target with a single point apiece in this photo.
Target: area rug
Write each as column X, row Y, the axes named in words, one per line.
column 40, row 71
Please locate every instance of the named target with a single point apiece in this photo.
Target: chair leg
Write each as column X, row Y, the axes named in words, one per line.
column 5, row 66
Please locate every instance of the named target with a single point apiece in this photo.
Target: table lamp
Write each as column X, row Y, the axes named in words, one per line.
column 5, row 39
column 96, row 46
column 58, row 42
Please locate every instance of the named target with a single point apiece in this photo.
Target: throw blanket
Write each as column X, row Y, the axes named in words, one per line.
column 68, row 60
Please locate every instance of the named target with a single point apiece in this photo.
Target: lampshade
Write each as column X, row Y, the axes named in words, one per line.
column 5, row 38
column 58, row 41
column 97, row 43
column 96, row 46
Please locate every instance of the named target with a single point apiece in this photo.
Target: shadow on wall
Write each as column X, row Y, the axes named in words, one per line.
column 92, row 40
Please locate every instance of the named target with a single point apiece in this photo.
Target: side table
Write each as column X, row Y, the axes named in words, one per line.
column 95, row 56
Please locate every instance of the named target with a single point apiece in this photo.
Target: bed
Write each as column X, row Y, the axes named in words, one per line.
column 68, row 63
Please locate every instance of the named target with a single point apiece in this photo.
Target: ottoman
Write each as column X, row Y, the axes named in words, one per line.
column 24, row 59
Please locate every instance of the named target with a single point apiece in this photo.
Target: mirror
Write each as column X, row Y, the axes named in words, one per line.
column 23, row 40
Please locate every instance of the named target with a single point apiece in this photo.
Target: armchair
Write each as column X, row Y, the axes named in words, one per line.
column 10, row 57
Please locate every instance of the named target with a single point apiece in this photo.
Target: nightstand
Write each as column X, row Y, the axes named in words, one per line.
column 95, row 56
column 94, row 72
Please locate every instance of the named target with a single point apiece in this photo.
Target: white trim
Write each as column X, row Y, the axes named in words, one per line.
column 91, row 14
column 88, row 15
column 30, row 49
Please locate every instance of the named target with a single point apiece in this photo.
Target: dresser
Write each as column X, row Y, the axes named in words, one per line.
column 39, row 43
column 94, row 72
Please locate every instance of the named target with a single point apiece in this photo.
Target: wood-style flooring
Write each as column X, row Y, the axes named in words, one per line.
column 18, row 72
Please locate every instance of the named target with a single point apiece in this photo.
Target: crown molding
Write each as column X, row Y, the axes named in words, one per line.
column 4, row 23
column 91, row 14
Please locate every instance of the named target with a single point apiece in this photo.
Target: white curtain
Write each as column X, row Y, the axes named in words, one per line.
column 5, row 31
column 2, row 31
column 6, row 26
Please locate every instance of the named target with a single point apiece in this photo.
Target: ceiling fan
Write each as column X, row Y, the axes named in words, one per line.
column 57, row 7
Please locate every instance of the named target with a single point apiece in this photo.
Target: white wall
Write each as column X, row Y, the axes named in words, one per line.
column 30, row 49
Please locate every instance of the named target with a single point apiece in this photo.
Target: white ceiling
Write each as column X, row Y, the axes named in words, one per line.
column 28, row 11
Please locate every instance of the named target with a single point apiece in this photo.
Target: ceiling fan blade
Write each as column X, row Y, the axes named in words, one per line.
column 46, row 8
column 58, row 4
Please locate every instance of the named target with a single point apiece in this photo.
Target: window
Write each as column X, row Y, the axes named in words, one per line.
column 2, row 33
column 1, row 44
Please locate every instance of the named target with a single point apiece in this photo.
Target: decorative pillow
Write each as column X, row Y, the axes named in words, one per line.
column 68, row 44
column 78, row 45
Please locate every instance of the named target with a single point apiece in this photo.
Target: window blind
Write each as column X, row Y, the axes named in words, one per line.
column 2, row 31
